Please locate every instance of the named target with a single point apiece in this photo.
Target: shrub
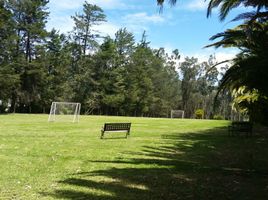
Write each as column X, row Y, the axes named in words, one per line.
column 218, row 117
column 199, row 114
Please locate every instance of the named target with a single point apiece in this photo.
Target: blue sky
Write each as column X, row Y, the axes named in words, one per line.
column 184, row 27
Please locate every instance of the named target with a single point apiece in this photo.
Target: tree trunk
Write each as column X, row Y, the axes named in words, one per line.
column 13, row 102
column 28, row 49
column 85, row 42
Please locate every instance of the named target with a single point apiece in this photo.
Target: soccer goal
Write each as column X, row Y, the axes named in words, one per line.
column 64, row 111
column 177, row 114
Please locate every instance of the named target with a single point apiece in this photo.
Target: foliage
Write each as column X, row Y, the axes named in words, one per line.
column 225, row 6
column 83, row 33
column 247, row 75
column 110, row 76
column 249, row 68
column 199, row 114
column 218, row 117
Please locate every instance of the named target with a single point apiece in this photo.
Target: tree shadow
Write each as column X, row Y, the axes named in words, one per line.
column 203, row 165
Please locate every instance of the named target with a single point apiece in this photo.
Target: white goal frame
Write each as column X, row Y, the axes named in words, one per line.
column 73, row 114
column 173, row 113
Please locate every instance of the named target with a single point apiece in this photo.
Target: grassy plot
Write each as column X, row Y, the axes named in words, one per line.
column 162, row 159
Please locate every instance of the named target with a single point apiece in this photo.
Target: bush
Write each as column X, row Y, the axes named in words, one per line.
column 218, row 117
column 199, row 114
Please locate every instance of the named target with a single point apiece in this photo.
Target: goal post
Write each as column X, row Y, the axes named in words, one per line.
column 177, row 114
column 64, row 111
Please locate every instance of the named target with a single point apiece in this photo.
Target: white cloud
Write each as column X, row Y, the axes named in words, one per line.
column 139, row 22
column 109, row 4
column 192, row 5
column 62, row 10
column 65, row 4
column 66, row 24
column 168, row 47
column 222, row 56
column 143, row 18
column 75, row 4
column 204, row 55
column 197, row 5
column 62, row 23
column 108, row 29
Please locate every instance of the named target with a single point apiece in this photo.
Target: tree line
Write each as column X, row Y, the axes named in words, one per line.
column 117, row 76
column 247, row 77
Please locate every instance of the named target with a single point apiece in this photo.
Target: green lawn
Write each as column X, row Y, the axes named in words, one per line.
column 163, row 159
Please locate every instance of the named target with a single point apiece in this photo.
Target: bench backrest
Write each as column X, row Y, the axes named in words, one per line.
column 242, row 125
column 117, row 126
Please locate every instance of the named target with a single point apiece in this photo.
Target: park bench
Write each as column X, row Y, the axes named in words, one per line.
column 116, row 127
column 237, row 128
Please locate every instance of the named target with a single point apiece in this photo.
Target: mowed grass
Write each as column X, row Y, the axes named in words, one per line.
column 162, row 159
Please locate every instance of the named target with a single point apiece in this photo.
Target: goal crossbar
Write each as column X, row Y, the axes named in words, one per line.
column 64, row 111
column 177, row 114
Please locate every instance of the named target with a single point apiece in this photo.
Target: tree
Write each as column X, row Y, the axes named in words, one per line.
column 166, row 83
column 227, row 5
column 189, row 70
column 29, row 24
column 30, row 17
column 261, row 7
column 207, row 85
column 9, row 80
column 55, row 59
column 124, row 42
column 249, row 69
column 247, row 76
column 84, row 35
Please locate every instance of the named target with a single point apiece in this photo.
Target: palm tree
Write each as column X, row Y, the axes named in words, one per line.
column 247, row 77
column 261, row 7
column 249, row 68
column 227, row 5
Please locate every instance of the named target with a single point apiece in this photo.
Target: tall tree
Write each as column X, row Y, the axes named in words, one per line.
column 189, row 70
column 84, row 34
column 124, row 42
column 30, row 18
column 251, row 38
column 9, row 80
column 249, row 69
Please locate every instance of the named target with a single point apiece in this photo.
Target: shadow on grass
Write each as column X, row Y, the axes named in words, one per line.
column 203, row 165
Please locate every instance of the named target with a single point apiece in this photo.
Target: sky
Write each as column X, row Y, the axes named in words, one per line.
column 184, row 27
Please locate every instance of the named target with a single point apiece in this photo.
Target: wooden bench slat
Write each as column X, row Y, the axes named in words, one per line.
column 240, row 127
column 112, row 127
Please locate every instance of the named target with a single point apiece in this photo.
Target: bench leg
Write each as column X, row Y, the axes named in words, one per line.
column 127, row 134
column 230, row 131
column 102, row 134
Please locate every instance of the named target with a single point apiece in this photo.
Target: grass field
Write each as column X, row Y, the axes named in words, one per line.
column 162, row 159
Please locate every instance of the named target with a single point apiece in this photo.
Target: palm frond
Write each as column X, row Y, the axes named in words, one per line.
column 212, row 4
column 226, row 6
column 250, row 71
column 160, row 2
column 245, row 16
column 229, row 38
column 171, row 2
column 251, row 16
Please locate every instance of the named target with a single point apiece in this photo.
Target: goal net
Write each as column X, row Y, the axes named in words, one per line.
column 177, row 114
column 64, row 111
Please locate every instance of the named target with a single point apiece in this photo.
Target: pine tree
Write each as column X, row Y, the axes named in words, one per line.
column 9, row 80
column 84, row 34
column 30, row 18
